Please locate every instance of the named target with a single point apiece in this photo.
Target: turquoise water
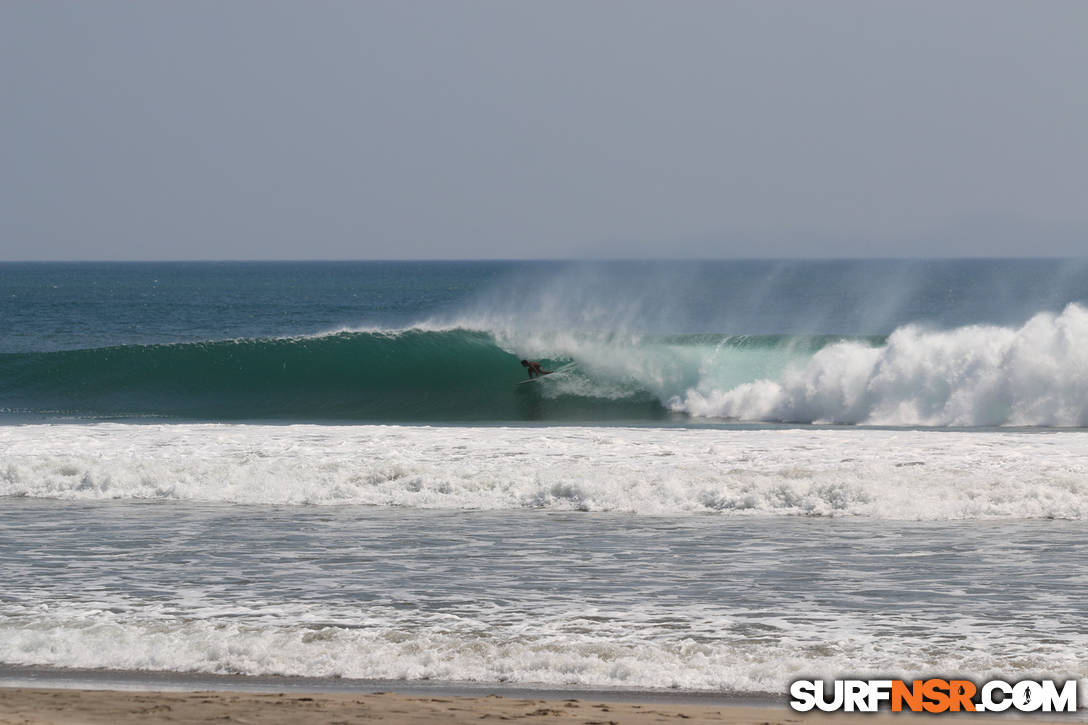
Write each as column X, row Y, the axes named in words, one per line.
column 877, row 342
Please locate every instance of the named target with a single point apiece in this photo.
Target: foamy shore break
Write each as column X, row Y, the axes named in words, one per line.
column 880, row 474
column 94, row 707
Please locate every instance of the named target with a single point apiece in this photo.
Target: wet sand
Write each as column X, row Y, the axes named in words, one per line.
column 41, row 706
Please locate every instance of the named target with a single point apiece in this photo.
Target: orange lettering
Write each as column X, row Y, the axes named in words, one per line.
column 911, row 695
column 961, row 692
column 936, row 691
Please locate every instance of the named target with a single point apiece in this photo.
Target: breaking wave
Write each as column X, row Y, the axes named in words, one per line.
column 1032, row 375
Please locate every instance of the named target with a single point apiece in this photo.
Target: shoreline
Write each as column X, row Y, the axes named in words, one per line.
column 59, row 696
column 29, row 677
column 94, row 707
column 45, row 706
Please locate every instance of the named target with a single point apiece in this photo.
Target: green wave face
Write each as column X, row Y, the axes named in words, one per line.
column 411, row 375
column 407, row 376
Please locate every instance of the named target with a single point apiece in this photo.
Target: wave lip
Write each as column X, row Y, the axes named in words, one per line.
column 877, row 474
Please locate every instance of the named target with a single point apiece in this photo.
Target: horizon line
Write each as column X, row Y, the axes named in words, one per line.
column 393, row 260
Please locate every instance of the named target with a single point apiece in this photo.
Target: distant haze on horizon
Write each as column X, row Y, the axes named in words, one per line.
column 497, row 130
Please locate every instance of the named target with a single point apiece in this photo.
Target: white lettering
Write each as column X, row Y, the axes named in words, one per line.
column 1064, row 701
column 988, row 701
column 804, row 695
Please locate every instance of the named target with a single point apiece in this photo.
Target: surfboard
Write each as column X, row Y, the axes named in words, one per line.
column 560, row 369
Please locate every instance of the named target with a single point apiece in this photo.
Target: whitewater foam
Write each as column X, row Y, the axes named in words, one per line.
column 1035, row 375
column 973, row 376
column 592, row 648
column 883, row 474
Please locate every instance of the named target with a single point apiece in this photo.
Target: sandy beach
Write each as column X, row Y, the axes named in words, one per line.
column 40, row 706
column 91, row 707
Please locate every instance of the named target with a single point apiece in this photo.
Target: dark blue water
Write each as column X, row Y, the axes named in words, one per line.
column 64, row 306
column 54, row 306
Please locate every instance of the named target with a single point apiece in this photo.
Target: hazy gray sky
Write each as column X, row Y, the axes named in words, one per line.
column 267, row 130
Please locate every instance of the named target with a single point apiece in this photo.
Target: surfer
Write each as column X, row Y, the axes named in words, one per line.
column 534, row 367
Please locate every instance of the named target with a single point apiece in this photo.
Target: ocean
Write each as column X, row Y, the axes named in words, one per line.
column 740, row 473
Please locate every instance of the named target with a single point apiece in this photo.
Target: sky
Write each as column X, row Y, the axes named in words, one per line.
column 263, row 129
